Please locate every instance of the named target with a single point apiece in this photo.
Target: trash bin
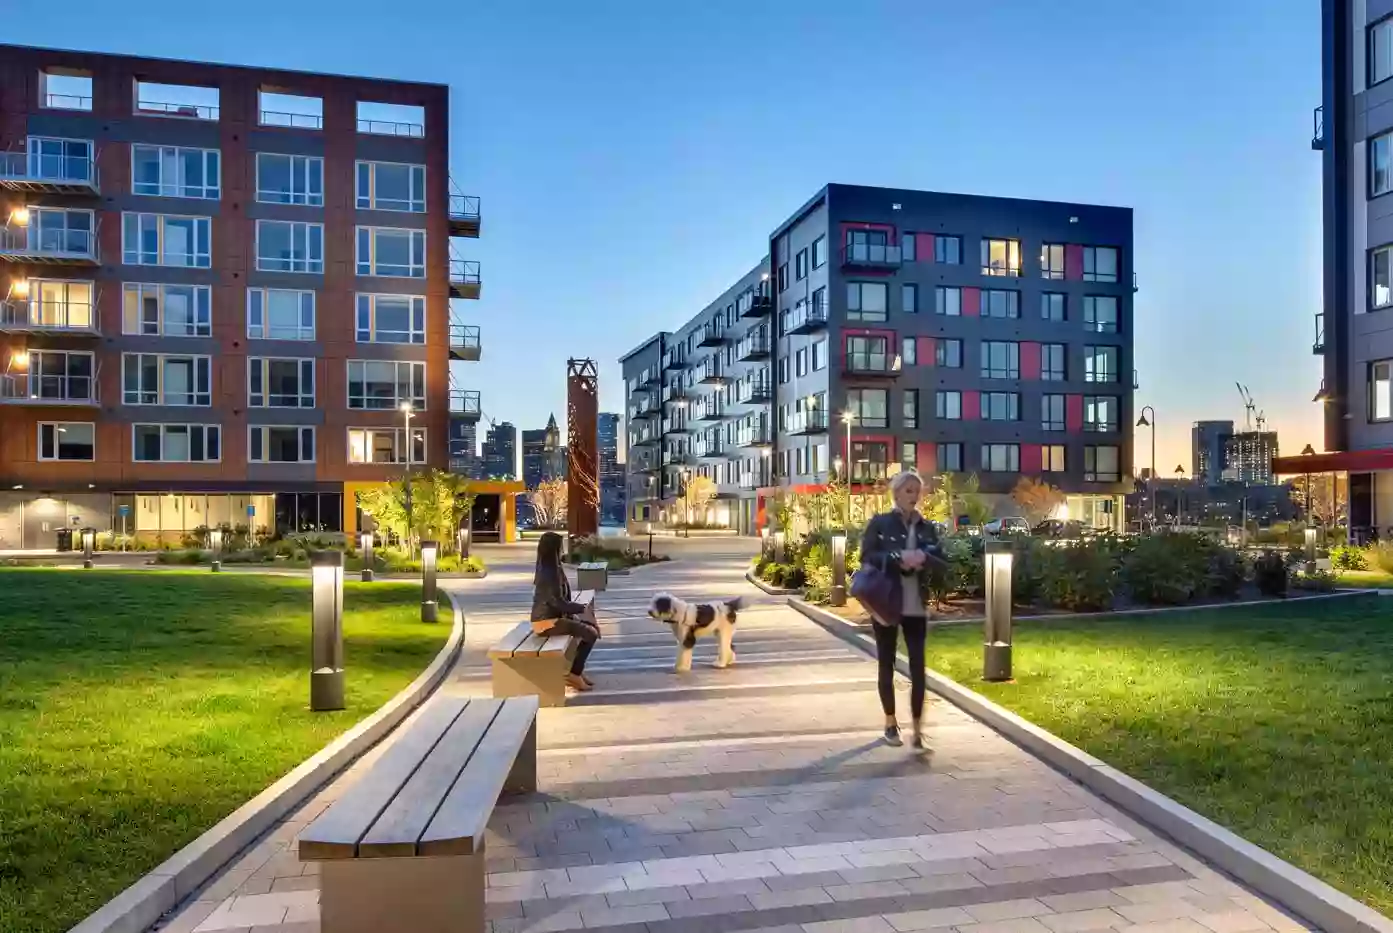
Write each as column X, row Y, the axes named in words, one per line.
column 65, row 539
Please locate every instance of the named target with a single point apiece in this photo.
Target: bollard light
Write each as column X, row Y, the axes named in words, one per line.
column 996, row 647
column 326, row 630
column 764, row 540
column 367, row 557
column 838, row 594
column 466, row 534
column 430, row 609
column 649, row 526
column 215, row 543
column 89, row 543
column 778, row 547
column 1310, row 548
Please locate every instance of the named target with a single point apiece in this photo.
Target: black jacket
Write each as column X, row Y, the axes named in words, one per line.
column 551, row 595
column 884, row 540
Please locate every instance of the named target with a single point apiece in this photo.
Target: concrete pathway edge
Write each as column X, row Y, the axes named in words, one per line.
column 770, row 588
column 1296, row 890
column 139, row 906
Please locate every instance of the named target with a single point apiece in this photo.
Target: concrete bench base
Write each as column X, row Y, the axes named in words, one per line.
column 423, row 895
column 542, row 676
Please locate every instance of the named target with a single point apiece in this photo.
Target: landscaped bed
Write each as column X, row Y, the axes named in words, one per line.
column 1275, row 721
column 138, row 709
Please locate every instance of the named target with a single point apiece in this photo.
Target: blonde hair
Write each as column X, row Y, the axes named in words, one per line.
column 899, row 479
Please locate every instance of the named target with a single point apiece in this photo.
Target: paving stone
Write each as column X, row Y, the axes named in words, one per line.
column 929, row 919
column 613, row 916
column 1008, row 910
column 1078, row 921
column 1014, row 925
column 710, row 905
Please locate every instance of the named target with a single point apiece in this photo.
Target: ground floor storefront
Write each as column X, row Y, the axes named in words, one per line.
column 737, row 513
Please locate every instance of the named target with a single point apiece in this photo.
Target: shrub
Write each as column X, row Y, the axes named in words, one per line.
column 1381, row 556
column 1348, row 557
column 187, row 556
column 1081, row 577
column 1163, row 569
column 818, row 585
column 1314, row 581
column 1271, row 574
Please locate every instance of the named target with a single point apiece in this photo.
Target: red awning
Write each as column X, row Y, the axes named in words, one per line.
column 1346, row 461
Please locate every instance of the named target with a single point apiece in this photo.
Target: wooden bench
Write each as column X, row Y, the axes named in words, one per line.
column 527, row 664
column 593, row 576
column 403, row 848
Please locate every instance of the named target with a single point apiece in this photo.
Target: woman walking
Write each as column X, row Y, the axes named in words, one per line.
column 902, row 545
column 553, row 612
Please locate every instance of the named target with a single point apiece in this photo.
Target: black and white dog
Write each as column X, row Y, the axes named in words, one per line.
column 691, row 621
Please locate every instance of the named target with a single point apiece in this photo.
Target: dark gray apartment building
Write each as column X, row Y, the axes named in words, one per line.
column 944, row 332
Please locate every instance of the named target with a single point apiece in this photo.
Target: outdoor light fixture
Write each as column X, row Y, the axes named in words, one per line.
column 1310, row 548
column 19, row 288
column 838, row 594
column 89, row 542
column 466, row 535
column 996, row 646
column 367, row 557
column 764, row 540
column 430, row 609
column 215, row 542
column 778, row 547
column 20, row 359
column 648, row 526
column 20, row 216
column 326, row 630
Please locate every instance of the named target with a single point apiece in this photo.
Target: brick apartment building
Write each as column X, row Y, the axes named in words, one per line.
column 221, row 287
column 889, row 329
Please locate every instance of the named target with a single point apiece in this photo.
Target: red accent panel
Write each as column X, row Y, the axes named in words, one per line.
column 972, row 406
column 927, row 456
column 1030, row 360
column 1073, row 414
column 926, row 351
column 1073, row 262
column 1031, row 458
column 924, row 247
column 972, row 302
column 858, row 225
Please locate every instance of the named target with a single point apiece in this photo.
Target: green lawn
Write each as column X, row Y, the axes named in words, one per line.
column 1276, row 722
column 138, row 708
column 1374, row 579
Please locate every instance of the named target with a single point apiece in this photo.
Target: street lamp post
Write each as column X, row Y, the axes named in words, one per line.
column 406, row 413
column 997, row 559
column 847, row 418
column 89, row 544
column 686, row 502
column 1142, row 422
column 838, row 594
column 215, row 543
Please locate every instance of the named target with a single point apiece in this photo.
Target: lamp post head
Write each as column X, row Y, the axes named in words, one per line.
column 1142, row 422
column 847, row 418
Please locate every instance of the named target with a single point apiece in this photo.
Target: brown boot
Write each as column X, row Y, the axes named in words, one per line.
column 577, row 683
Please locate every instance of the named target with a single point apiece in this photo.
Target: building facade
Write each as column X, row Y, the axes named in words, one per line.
column 226, row 293
column 612, row 503
column 500, row 452
column 947, row 333
column 1248, row 457
column 1208, row 440
column 543, row 457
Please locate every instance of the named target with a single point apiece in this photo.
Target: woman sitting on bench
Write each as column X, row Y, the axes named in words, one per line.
column 553, row 612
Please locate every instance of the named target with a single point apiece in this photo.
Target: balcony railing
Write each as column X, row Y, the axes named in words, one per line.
column 715, row 450
column 465, row 402
column 466, row 342
column 35, row 316
column 713, row 411
column 807, row 318
column 37, row 389
column 391, row 128
column 294, row 121
column 712, row 337
column 712, row 372
column 59, row 174
column 188, row 111
column 466, row 216
column 675, row 392
column 759, row 436
column 756, row 392
column 754, row 347
column 676, row 360
column 67, row 102
column 466, row 279
column 809, row 422
column 1318, row 128
column 872, row 363
column 57, row 245
column 677, row 428
column 1318, row 347
column 755, row 304
column 871, row 255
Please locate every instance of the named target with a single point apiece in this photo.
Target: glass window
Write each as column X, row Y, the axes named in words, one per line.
column 392, row 251
column 1380, row 169
column 67, row 440
column 391, row 186
column 800, row 265
column 948, row 405
column 950, row 458
column 1381, row 279
column 948, row 301
column 1052, row 408
column 1100, row 314
column 783, row 277
column 819, row 355
column 160, row 379
column 869, row 408
column 1001, row 257
column 1001, row 458
column 948, row 353
column 173, row 172
column 289, row 179
column 283, row 246
column 384, row 385
column 1052, row 458
column 63, row 304
column 176, row 443
column 909, row 299
column 280, row 314
column 1052, row 261
column 391, row 319
column 999, row 303
column 909, row 408
column 868, row 354
column 1100, row 413
column 909, row 355
column 166, row 240
column 1052, row 362
column 869, row 461
column 820, row 252
column 948, row 250
column 1099, row 264
column 1052, row 306
column 1100, row 364
column 1381, row 391
column 280, row 444
column 1001, row 406
column 1001, row 359
column 909, row 455
column 907, row 247
column 280, row 383
column 385, row 445
column 1381, row 51
column 52, row 157
column 61, row 375
column 1101, row 464
column 169, row 310
column 56, row 230
column 866, row 301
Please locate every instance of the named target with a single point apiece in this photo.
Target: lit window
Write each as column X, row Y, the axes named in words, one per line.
column 280, row 314
column 1381, row 391
column 67, row 440
column 385, row 445
column 1052, row 458
column 56, row 304
column 170, row 310
column 166, row 240
column 283, row 246
column 392, row 186
column 176, row 443
column 289, row 179
column 280, row 444
column 174, row 172
column 384, row 385
column 280, row 383
column 391, row 319
column 1001, row 257
column 391, row 251
column 161, row 379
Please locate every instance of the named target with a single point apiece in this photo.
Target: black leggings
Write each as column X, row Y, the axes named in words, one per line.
column 580, row 630
column 887, row 643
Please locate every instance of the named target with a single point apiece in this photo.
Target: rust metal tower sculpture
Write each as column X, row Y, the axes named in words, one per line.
column 582, row 440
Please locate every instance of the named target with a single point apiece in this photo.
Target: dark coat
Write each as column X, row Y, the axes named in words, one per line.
column 551, row 595
column 883, row 542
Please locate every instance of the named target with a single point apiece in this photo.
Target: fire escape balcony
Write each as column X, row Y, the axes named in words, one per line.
column 465, row 343
column 45, row 173
column 465, row 278
column 465, row 404
column 42, row 390
column 465, row 217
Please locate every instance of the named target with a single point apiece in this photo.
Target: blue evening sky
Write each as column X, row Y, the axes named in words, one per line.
column 633, row 155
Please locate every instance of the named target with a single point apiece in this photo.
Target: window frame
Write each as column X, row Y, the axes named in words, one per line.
column 1010, row 451
column 818, row 251
column 1048, row 371
column 178, row 188
column 864, row 317
column 1384, row 26
column 1091, row 404
column 259, row 370
column 1091, row 473
column 875, row 468
column 38, row 356
column 1090, row 258
column 370, row 200
column 989, row 402
column 948, row 404
column 1385, row 251
column 1054, row 458
column 1090, row 311
column 1373, row 382
column 202, row 231
column 56, row 428
column 1012, row 369
column 1049, row 423
column 201, row 306
column 991, row 296
column 300, row 171
column 263, row 297
column 1012, row 250
column 164, row 429
column 941, row 252
column 398, row 440
column 1090, row 355
column 1386, row 139
column 860, row 399
column 1049, row 252
column 418, row 402
column 800, row 265
column 306, row 265
column 941, row 355
column 909, row 298
column 942, row 304
column 201, row 371
column 944, row 463
column 370, row 266
column 909, row 409
column 367, row 303
column 259, row 435
column 1046, row 309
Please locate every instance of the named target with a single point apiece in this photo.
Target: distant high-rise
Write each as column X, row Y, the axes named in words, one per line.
column 1207, row 444
column 1248, row 456
column 464, row 446
column 611, row 470
column 543, row 457
column 501, row 452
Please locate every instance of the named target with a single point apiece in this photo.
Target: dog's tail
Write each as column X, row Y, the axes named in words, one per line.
column 733, row 606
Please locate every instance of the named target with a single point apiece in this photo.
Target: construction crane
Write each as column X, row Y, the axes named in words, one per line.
column 1248, row 407
column 1260, row 420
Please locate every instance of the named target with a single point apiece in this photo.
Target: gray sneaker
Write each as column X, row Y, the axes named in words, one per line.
column 892, row 736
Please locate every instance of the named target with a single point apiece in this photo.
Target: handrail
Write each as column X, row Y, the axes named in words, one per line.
column 54, row 168
column 465, row 271
column 67, row 102
column 464, row 206
column 51, row 315
column 41, row 388
column 299, row 121
column 466, row 336
column 391, row 128
column 192, row 111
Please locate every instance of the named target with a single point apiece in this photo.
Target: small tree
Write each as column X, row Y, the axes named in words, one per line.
column 696, row 495
column 439, row 501
column 548, row 502
column 1037, row 498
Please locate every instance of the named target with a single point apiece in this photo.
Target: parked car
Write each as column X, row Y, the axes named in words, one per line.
column 1059, row 528
column 1007, row 525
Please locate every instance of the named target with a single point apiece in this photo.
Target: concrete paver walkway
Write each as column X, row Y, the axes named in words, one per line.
column 759, row 798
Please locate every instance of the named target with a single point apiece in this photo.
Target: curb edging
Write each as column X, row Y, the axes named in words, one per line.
column 1294, row 889
column 141, row 905
column 768, row 588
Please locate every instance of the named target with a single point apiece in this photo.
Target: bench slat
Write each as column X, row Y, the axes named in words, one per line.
column 532, row 645
column 458, row 826
column 508, row 643
column 336, row 833
column 553, row 646
column 401, row 824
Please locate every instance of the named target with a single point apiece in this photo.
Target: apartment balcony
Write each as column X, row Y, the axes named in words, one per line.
column 808, row 319
column 678, row 429
column 676, row 361
column 465, row 279
column 712, row 373
column 871, row 364
column 647, row 439
column 712, row 337
column 682, row 458
column 44, row 173
column 756, row 392
column 753, row 348
column 756, row 305
column 1318, row 128
column 755, row 480
column 870, row 256
column 650, row 378
column 465, row 343
column 809, row 422
column 644, row 469
column 465, row 404
column 27, row 241
column 1318, row 348
column 465, row 218
column 714, row 411
column 716, row 450
column 675, row 393
column 46, row 391
column 647, row 408
column 761, row 435
column 36, row 316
